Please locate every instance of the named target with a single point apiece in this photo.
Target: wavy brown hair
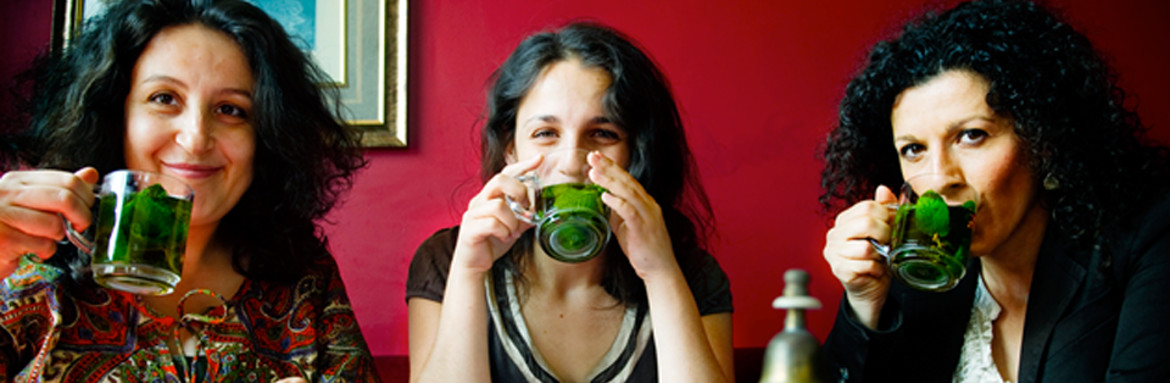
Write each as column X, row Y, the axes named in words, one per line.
column 638, row 100
column 306, row 156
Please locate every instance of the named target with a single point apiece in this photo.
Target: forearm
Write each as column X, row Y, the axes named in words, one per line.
column 460, row 349
column 685, row 354
column 867, row 313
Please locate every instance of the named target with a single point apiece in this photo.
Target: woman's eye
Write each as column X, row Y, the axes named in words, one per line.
column 911, row 151
column 544, row 133
column 606, row 134
column 162, row 98
column 232, row 110
column 972, row 136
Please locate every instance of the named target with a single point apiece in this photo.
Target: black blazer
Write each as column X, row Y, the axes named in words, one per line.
column 1090, row 317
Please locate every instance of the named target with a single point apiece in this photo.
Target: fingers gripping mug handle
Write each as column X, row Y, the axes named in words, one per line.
column 78, row 239
column 528, row 215
column 884, row 250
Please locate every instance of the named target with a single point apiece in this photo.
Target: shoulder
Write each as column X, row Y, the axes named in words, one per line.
column 709, row 284
column 436, row 251
column 442, row 242
column 323, row 266
column 321, row 284
column 322, row 272
column 697, row 263
column 432, row 260
column 1146, row 238
column 1155, row 221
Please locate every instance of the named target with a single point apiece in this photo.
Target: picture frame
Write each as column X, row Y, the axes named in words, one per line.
column 360, row 44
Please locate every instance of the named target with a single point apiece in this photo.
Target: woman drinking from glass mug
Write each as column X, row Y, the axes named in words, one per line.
column 488, row 304
column 1072, row 231
column 212, row 92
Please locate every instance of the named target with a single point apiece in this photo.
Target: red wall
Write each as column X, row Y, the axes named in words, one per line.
column 758, row 83
column 25, row 29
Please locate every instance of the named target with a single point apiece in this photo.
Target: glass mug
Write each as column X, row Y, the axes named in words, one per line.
column 572, row 223
column 139, row 232
column 930, row 239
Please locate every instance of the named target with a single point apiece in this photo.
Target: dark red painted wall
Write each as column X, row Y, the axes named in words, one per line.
column 25, row 29
column 758, row 83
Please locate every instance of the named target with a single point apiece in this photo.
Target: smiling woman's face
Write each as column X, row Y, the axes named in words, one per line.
column 945, row 126
column 564, row 110
column 188, row 115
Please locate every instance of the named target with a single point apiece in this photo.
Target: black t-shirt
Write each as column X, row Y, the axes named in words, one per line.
column 632, row 357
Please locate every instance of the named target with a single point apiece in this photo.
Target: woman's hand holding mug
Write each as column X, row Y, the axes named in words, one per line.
column 637, row 224
column 32, row 203
column 854, row 261
column 489, row 227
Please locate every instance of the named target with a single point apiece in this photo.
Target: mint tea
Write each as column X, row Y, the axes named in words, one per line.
column 140, row 240
column 931, row 242
column 574, row 225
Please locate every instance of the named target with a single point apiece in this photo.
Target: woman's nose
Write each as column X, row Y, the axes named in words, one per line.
column 572, row 142
column 942, row 163
column 195, row 133
column 572, row 162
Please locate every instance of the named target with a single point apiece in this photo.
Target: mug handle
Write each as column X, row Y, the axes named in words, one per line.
column 883, row 249
column 529, row 215
column 78, row 239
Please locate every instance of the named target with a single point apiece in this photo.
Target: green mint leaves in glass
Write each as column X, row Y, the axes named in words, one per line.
column 572, row 223
column 575, row 227
column 139, row 232
column 930, row 238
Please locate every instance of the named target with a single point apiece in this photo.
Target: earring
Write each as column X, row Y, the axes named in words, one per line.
column 1050, row 182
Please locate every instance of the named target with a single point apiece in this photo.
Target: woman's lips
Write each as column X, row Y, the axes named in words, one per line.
column 191, row 171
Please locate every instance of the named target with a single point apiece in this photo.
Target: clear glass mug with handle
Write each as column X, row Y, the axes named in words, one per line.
column 572, row 223
column 139, row 233
column 930, row 238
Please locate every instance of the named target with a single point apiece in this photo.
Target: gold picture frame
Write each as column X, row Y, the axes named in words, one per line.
column 371, row 75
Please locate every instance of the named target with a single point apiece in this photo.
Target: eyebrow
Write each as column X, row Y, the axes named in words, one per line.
column 162, row 78
column 548, row 118
column 600, row 120
column 950, row 128
column 172, row 80
column 542, row 118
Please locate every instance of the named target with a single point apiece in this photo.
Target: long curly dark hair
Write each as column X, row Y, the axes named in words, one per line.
column 638, row 100
column 1044, row 75
column 305, row 155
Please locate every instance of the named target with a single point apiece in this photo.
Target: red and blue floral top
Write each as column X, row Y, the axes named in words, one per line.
column 267, row 331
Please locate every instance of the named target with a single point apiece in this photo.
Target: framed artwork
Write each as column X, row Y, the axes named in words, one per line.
column 360, row 44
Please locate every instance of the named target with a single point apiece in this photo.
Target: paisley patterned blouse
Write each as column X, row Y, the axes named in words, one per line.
column 267, row 331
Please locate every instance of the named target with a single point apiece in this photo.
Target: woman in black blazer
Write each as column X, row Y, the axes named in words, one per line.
column 1068, row 282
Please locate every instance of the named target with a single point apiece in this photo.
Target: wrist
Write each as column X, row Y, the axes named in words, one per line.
column 466, row 262
column 663, row 276
column 867, row 312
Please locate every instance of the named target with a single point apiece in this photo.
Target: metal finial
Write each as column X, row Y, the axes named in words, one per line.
column 793, row 355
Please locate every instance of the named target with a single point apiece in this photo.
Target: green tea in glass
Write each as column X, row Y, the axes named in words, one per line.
column 572, row 223
column 139, row 232
column 930, row 238
column 575, row 227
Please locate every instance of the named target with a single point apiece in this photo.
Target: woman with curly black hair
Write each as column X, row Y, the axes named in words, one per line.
column 212, row 92
column 1072, row 233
